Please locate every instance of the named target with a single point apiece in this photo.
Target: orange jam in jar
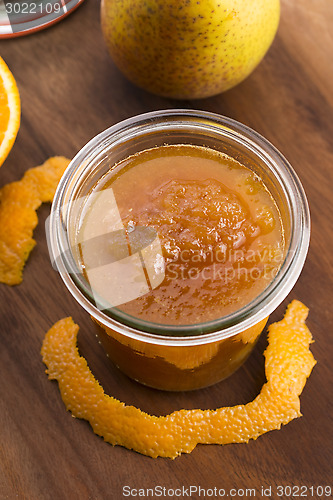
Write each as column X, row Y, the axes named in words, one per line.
column 179, row 232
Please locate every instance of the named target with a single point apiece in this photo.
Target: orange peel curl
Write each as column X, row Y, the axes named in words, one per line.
column 18, row 204
column 288, row 364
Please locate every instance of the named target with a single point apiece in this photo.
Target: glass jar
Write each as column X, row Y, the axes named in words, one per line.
column 181, row 357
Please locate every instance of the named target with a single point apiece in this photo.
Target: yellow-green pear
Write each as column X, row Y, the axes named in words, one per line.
column 188, row 49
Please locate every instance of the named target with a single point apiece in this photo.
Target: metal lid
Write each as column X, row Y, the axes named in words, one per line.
column 18, row 18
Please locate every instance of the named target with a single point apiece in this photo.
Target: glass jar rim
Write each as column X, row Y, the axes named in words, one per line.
column 194, row 334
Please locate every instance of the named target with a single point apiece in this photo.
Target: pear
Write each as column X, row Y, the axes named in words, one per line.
column 188, row 49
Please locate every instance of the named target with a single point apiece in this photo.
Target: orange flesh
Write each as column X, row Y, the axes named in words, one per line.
column 5, row 110
column 288, row 364
column 10, row 110
column 219, row 229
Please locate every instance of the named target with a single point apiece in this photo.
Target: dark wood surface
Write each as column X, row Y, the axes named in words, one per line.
column 70, row 91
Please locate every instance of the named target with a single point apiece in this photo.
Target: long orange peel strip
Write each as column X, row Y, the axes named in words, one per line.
column 288, row 364
column 18, row 204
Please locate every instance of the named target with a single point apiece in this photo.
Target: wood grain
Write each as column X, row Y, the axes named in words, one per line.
column 70, row 91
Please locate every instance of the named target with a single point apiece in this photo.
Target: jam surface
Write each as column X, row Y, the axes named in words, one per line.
column 218, row 226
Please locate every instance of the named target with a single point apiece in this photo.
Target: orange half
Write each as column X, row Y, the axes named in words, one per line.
column 10, row 110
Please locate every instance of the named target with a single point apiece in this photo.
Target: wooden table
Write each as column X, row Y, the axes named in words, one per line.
column 70, row 91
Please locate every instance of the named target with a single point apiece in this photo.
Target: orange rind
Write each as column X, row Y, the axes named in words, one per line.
column 18, row 218
column 288, row 365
